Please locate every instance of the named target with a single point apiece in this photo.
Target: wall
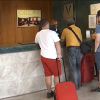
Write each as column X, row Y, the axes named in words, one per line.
column 58, row 12
column 82, row 12
column 9, row 33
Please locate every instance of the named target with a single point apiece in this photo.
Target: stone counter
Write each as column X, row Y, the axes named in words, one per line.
column 29, row 47
column 21, row 71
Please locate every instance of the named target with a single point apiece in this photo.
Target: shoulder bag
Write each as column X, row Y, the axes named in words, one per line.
column 85, row 47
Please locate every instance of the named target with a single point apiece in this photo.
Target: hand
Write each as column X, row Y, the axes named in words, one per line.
column 93, row 36
column 59, row 57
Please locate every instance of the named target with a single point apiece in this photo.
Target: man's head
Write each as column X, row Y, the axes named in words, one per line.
column 98, row 17
column 44, row 24
column 70, row 22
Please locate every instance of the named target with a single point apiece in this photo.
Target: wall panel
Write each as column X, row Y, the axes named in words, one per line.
column 9, row 32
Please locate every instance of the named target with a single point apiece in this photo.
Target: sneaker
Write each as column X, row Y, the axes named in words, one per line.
column 49, row 95
column 96, row 90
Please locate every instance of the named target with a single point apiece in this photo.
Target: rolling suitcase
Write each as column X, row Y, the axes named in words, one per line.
column 65, row 90
column 87, row 68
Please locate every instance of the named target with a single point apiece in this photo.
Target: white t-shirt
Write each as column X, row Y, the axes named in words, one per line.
column 46, row 39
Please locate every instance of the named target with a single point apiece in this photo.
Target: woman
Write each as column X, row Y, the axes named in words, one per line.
column 55, row 22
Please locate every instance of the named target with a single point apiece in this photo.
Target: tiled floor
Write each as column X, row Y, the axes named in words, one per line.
column 83, row 94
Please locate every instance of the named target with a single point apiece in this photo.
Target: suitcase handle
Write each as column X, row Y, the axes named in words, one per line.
column 64, row 69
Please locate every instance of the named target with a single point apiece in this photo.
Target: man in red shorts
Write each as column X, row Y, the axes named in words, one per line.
column 50, row 50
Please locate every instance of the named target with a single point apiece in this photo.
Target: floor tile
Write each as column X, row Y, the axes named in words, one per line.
column 38, row 96
column 17, row 98
column 84, row 93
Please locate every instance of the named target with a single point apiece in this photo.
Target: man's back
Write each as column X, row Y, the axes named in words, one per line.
column 73, row 51
column 69, row 36
column 50, row 50
column 46, row 39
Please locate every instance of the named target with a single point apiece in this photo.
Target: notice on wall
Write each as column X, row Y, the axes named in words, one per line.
column 94, row 8
column 28, row 18
column 87, row 33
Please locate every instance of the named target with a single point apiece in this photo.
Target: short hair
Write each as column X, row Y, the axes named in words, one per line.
column 70, row 22
column 43, row 22
column 98, row 13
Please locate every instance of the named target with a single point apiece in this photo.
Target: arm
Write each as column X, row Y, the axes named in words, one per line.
column 36, row 40
column 97, row 41
column 57, row 44
column 63, row 37
column 58, row 48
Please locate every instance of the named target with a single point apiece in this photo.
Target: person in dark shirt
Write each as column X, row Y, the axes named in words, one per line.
column 55, row 22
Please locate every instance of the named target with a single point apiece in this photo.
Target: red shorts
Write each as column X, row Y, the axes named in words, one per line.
column 50, row 66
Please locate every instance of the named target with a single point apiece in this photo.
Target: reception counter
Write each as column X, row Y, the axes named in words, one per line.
column 21, row 71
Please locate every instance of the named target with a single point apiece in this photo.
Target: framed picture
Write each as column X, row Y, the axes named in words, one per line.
column 92, row 21
column 94, row 8
column 28, row 18
column 69, row 10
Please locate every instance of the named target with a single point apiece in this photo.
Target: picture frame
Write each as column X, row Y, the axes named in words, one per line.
column 92, row 21
column 69, row 10
column 94, row 8
column 28, row 18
